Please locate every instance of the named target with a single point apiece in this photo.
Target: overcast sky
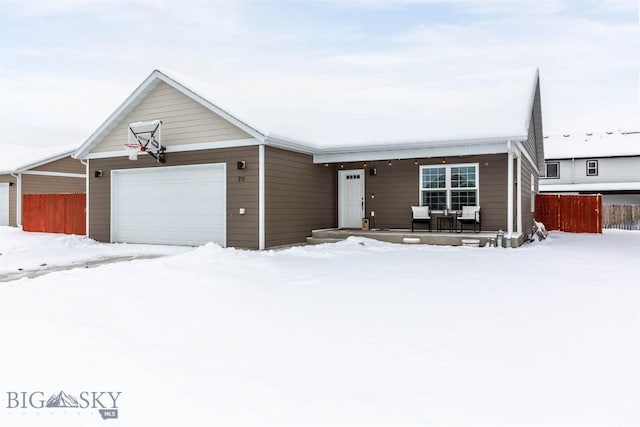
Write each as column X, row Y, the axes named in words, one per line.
column 66, row 65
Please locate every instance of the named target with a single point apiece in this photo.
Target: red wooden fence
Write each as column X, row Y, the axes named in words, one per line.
column 573, row 213
column 54, row 213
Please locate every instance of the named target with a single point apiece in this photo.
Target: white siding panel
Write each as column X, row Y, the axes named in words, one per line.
column 184, row 121
column 4, row 203
column 179, row 205
column 610, row 169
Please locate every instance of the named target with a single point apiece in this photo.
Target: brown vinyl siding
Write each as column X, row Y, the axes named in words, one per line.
column 12, row 198
column 397, row 188
column 185, row 121
column 299, row 197
column 536, row 130
column 66, row 165
column 527, row 215
column 242, row 190
column 43, row 184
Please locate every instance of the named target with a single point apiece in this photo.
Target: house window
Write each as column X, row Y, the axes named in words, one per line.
column 592, row 168
column 533, row 194
column 552, row 169
column 452, row 186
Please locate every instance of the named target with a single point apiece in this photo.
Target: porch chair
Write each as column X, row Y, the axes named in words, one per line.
column 470, row 215
column 420, row 214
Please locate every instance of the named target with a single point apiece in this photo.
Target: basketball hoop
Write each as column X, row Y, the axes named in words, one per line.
column 133, row 150
column 146, row 137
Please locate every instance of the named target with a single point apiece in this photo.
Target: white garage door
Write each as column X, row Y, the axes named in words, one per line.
column 4, row 203
column 176, row 205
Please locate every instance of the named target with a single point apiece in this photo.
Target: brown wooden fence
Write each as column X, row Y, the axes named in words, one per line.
column 572, row 213
column 624, row 217
column 54, row 213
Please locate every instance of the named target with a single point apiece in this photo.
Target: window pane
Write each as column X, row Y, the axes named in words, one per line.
column 463, row 177
column 433, row 178
column 552, row 170
column 436, row 200
column 462, row 198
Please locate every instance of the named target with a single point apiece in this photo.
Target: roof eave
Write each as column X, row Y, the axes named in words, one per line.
column 436, row 148
column 138, row 95
column 44, row 161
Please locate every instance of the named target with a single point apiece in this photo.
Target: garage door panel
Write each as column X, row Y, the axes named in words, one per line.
column 4, row 203
column 172, row 205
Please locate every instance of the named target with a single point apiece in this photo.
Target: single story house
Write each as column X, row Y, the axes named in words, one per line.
column 58, row 173
column 218, row 178
column 606, row 163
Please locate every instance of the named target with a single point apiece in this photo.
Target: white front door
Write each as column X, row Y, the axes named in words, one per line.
column 350, row 198
column 4, row 203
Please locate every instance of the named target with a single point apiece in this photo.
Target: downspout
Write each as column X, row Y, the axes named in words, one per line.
column 18, row 198
column 86, row 207
column 261, row 198
column 519, row 194
column 509, row 191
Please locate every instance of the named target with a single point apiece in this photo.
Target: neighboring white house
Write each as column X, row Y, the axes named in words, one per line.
column 607, row 163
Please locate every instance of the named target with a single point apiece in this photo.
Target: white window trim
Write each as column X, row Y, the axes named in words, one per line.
column 533, row 194
column 546, row 175
column 447, row 176
column 595, row 167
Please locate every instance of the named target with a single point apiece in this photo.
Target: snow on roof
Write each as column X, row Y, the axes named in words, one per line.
column 592, row 144
column 462, row 105
column 19, row 157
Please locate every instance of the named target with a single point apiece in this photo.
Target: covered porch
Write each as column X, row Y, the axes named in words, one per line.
column 405, row 236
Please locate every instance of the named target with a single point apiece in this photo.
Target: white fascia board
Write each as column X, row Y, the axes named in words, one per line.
column 523, row 151
column 414, row 153
column 210, row 106
column 599, row 186
column 136, row 97
column 291, row 145
column 117, row 116
column 184, row 147
column 44, row 161
column 62, row 174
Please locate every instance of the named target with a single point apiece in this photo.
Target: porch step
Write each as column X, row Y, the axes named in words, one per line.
column 319, row 240
column 405, row 236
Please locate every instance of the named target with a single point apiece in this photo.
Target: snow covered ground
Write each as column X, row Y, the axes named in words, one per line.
column 33, row 252
column 353, row 333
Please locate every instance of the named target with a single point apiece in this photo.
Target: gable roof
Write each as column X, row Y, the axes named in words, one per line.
column 44, row 161
column 21, row 167
column 475, row 108
column 592, row 144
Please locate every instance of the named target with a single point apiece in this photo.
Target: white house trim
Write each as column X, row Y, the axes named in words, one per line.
column 138, row 95
column 184, row 147
column 261, row 198
column 44, row 161
column 527, row 156
column 86, row 212
column 209, row 105
column 445, row 149
column 48, row 173
column 509, row 190
column 448, row 188
column 18, row 178
column 519, row 195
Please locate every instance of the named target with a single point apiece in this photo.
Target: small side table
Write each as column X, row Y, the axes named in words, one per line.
column 448, row 219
